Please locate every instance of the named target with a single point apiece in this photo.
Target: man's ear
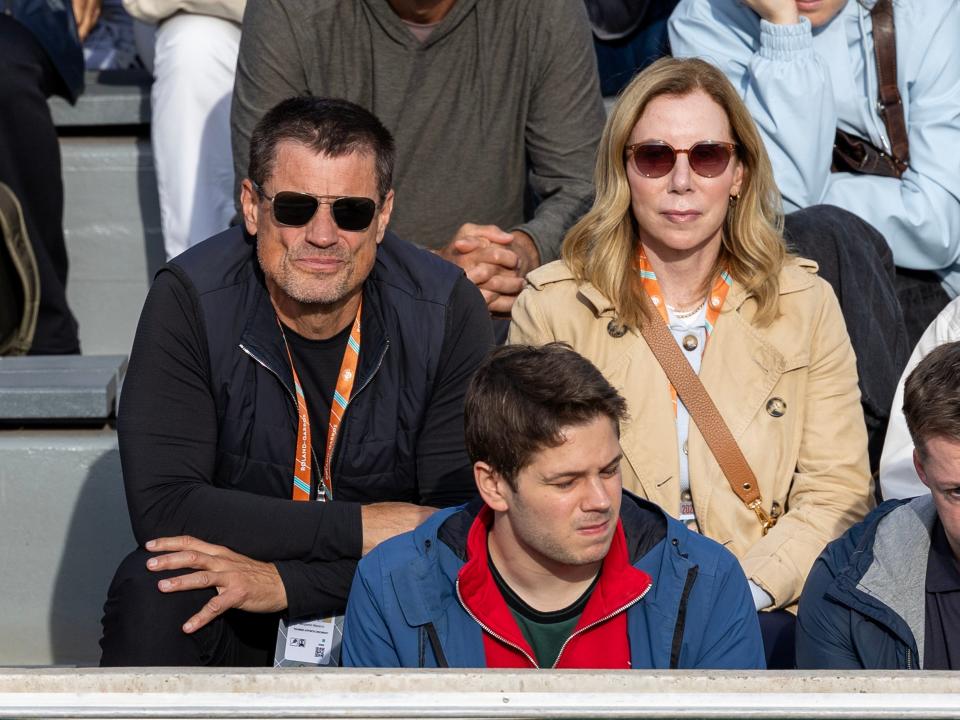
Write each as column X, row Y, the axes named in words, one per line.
column 383, row 216
column 493, row 488
column 250, row 206
column 918, row 466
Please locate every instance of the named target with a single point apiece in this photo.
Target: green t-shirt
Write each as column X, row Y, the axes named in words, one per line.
column 545, row 631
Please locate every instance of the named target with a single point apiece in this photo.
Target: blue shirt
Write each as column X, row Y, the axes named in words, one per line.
column 801, row 84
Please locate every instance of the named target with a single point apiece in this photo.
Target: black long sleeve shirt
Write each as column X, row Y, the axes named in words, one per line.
column 168, row 430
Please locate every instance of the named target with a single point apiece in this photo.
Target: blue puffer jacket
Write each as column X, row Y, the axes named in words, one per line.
column 863, row 605
column 53, row 25
column 403, row 610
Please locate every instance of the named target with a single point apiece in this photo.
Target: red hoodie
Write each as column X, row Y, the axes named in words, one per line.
column 600, row 638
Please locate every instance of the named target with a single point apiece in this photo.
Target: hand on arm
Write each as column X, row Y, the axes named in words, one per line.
column 382, row 521
column 240, row 582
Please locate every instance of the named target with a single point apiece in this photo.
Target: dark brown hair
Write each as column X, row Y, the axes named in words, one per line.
column 522, row 397
column 327, row 126
column 931, row 397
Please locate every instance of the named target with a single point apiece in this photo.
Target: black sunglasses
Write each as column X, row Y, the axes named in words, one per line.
column 654, row 159
column 296, row 209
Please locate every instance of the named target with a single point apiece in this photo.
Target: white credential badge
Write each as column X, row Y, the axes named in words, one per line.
column 309, row 642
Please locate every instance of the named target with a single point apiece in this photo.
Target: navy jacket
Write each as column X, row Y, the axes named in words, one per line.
column 208, row 418
column 863, row 605
column 53, row 25
column 698, row 613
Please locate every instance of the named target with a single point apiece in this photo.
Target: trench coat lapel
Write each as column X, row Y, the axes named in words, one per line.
column 650, row 437
column 649, row 445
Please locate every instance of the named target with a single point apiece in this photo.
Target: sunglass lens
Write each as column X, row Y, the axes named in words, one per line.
column 293, row 208
column 353, row 213
column 653, row 160
column 709, row 159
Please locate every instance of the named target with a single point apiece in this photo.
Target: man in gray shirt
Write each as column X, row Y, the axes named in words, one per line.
column 482, row 96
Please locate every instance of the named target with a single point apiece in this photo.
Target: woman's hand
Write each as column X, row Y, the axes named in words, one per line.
column 778, row 12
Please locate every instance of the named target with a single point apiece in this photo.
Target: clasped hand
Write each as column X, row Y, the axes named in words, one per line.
column 493, row 260
column 240, row 581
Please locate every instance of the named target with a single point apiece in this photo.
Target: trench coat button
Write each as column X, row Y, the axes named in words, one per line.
column 690, row 342
column 616, row 329
column 776, row 407
column 685, row 448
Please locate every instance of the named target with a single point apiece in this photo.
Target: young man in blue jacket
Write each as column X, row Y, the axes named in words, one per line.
column 886, row 595
column 555, row 566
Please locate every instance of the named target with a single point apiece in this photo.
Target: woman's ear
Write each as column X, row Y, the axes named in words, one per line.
column 739, row 175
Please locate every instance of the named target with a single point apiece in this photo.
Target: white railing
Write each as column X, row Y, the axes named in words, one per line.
column 166, row 693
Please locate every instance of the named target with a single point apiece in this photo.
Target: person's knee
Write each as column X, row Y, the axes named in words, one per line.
column 193, row 49
column 143, row 626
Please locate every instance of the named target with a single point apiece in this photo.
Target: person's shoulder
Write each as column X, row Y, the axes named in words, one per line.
column 712, row 558
column 223, row 260
column 553, row 273
column 646, row 525
column 855, row 545
column 400, row 551
column 922, row 13
column 798, row 273
column 416, row 272
column 729, row 15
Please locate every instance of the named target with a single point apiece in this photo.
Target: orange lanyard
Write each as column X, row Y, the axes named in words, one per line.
column 341, row 398
column 718, row 294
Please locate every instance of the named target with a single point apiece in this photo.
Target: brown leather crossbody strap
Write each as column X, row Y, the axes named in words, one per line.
column 703, row 411
column 889, row 104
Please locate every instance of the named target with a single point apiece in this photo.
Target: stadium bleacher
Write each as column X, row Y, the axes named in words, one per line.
column 63, row 518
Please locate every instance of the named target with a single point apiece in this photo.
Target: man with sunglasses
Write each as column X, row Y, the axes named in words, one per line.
column 495, row 105
column 309, row 355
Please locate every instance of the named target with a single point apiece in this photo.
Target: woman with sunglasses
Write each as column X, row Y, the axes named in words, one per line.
column 685, row 231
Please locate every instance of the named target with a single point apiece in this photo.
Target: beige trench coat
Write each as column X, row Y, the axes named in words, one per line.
column 810, row 462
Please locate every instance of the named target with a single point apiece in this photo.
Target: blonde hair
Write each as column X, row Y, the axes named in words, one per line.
column 600, row 248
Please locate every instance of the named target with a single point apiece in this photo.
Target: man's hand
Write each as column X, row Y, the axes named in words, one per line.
column 86, row 12
column 382, row 521
column 241, row 582
column 495, row 261
column 778, row 12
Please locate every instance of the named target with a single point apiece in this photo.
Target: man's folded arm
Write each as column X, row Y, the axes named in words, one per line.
column 168, row 449
column 316, row 588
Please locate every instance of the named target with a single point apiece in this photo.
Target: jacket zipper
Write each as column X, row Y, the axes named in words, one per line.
column 336, row 440
column 909, row 659
column 566, row 642
column 597, row 622
column 491, row 632
column 293, row 398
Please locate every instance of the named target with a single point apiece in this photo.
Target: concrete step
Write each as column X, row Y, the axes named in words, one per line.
column 60, row 388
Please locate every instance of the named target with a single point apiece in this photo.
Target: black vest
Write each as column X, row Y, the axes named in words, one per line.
column 405, row 302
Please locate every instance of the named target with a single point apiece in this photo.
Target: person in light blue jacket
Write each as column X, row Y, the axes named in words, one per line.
column 807, row 68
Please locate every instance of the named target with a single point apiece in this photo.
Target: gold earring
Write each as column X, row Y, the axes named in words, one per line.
column 734, row 199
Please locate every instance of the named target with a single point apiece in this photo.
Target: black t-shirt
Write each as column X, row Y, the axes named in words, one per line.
column 942, row 633
column 545, row 631
column 317, row 363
